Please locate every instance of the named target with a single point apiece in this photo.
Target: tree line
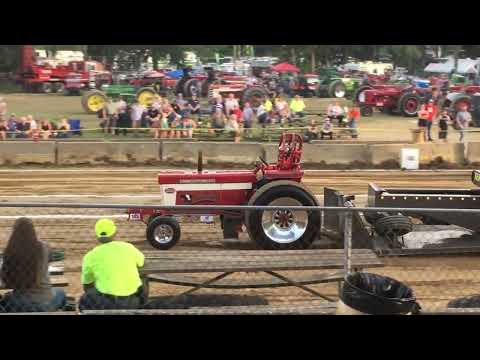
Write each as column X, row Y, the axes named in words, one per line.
column 307, row 57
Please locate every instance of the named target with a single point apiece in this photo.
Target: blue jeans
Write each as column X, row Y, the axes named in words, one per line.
column 13, row 302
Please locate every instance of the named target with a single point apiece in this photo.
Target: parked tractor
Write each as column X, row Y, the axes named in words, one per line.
column 391, row 99
column 94, row 101
column 333, row 85
column 306, row 85
column 266, row 185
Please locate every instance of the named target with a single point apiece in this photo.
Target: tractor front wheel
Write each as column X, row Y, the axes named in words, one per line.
column 283, row 229
column 163, row 232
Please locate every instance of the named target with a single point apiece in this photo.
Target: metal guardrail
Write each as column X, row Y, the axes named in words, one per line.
column 236, row 208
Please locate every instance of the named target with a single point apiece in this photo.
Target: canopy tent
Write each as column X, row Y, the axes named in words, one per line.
column 285, row 67
column 465, row 66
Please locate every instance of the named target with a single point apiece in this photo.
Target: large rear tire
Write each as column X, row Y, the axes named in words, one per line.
column 45, row 88
column 337, row 89
column 255, row 96
column 163, row 232
column 58, row 87
column 146, row 95
column 191, row 87
column 283, row 229
column 94, row 101
column 409, row 104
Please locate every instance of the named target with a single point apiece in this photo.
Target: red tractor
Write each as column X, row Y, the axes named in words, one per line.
column 266, row 185
column 155, row 79
column 44, row 78
column 402, row 99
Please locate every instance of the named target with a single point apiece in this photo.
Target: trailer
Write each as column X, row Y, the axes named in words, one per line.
column 397, row 232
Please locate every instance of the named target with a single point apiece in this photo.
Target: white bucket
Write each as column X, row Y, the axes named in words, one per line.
column 410, row 159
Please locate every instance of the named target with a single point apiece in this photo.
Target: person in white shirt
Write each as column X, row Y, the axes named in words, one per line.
column 230, row 104
column 336, row 112
column 136, row 114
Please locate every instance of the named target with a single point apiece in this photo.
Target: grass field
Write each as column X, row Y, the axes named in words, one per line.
column 379, row 127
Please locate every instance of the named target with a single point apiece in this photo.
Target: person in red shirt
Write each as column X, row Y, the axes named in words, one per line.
column 432, row 112
column 238, row 113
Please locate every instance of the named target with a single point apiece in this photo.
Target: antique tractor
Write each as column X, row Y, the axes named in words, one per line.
column 405, row 100
column 94, row 101
column 333, row 85
column 266, row 185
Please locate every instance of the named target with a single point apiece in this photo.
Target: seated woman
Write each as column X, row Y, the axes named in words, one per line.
column 327, row 129
column 63, row 129
column 45, row 129
column 25, row 271
column 312, row 131
column 188, row 125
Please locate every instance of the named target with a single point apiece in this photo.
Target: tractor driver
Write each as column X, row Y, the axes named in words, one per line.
column 110, row 275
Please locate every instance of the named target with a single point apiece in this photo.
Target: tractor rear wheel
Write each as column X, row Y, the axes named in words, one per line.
column 93, row 101
column 409, row 104
column 337, row 89
column 58, row 87
column 146, row 95
column 255, row 96
column 45, row 88
column 163, row 232
column 283, row 229
column 191, row 87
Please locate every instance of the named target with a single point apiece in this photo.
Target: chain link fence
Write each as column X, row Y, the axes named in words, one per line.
column 439, row 262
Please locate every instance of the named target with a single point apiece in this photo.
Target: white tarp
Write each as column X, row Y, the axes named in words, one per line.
column 465, row 66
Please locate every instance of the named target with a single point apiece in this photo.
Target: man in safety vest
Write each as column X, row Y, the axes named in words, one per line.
column 110, row 273
column 297, row 106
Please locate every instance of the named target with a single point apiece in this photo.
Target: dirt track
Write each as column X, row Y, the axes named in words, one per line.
column 435, row 280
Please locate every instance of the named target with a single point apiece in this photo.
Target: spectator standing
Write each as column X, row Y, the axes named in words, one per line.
column 423, row 121
column 111, row 111
column 443, row 122
column 110, row 272
column 233, row 127
column 136, row 114
column 123, row 116
column 297, row 106
column 262, row 116
column 463, row 120
column 353, row 118
column 230, row 103
column 218, row 104
column 218, row 122
column 327, row 129
column 248, row 116
column 25, row 271
column 431, row 109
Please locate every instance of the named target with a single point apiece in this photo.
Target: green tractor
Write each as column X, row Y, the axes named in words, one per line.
column 93, row 101
column 332, row 85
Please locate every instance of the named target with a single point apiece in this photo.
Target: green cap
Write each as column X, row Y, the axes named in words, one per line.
column 105, row 228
